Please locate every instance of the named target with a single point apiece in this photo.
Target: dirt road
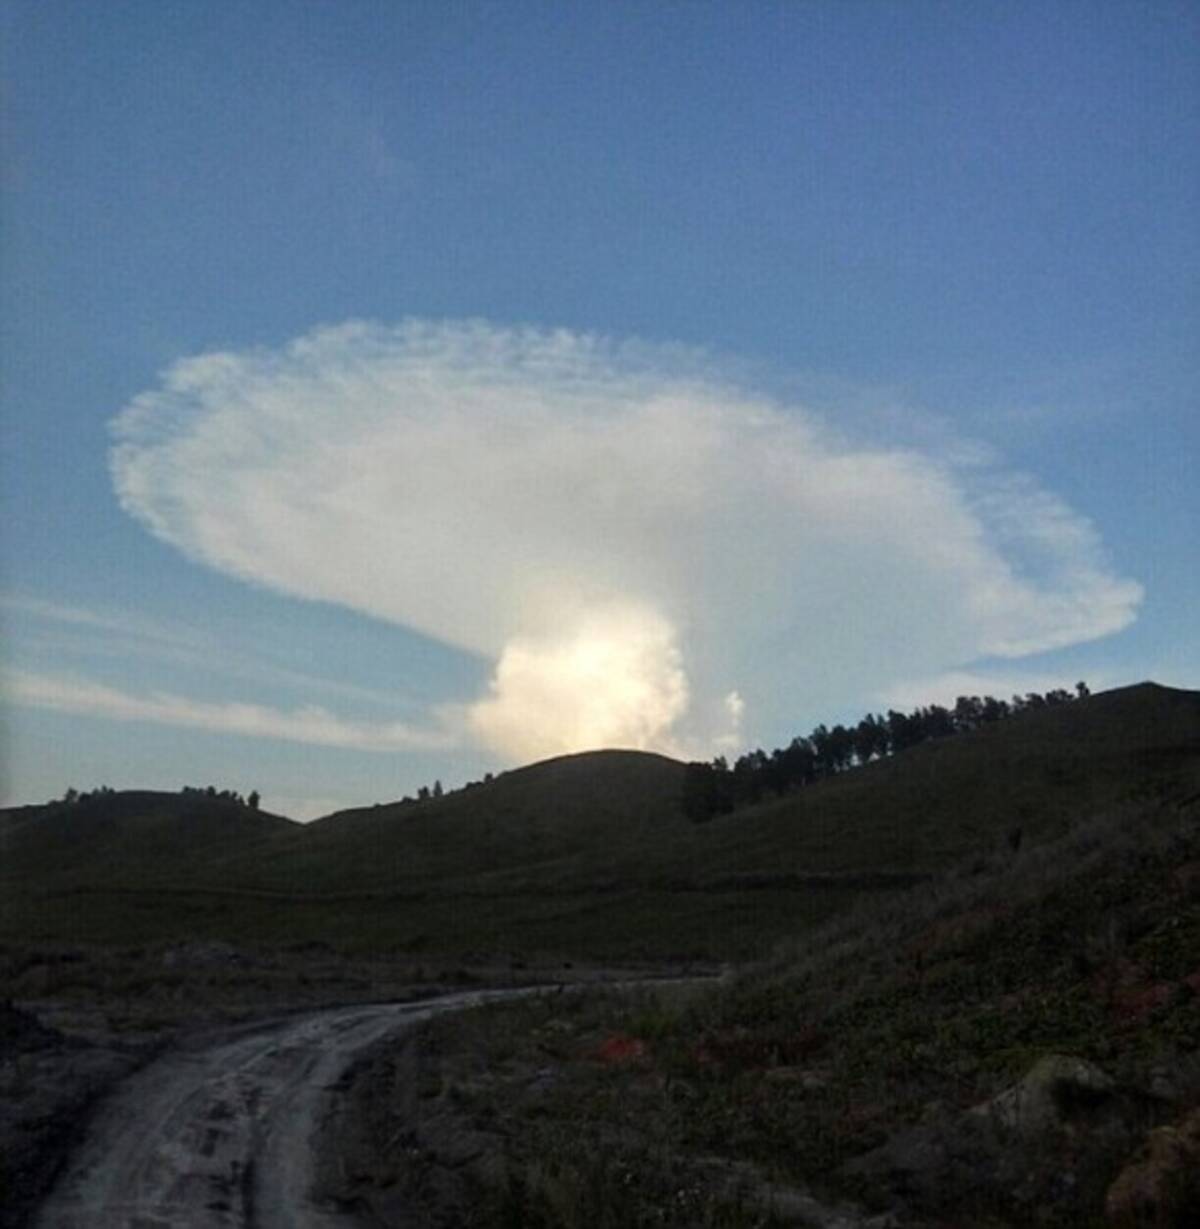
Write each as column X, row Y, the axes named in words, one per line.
column 223, row 1134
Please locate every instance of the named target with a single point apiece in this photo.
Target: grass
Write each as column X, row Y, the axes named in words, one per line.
column 903, row 958
column 894, row 1018
column 584, row 856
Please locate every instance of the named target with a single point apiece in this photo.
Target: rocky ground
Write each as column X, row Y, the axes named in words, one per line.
column 222, row 1131
column 570, row 1111
column 1016, row 1045
column 75, row 1022
column 492, row 1117
column 49, row 1082
column 103, row 1023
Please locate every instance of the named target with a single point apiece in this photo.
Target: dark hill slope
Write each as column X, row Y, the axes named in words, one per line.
column 529, row 821
column 128, row 836
column 591, row 854
column 1057, row 986
column 953, row 797
column 605, row 821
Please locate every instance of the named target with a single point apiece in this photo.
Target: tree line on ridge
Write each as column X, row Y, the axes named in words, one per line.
column 74, row 797
column 714, row 788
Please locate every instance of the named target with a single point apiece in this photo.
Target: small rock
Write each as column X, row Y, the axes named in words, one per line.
column 543, row 1079
column 803, row 1078
column 1163, row 1084
column 201, row 954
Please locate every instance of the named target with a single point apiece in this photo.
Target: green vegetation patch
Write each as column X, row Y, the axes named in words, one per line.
column 875, row 1036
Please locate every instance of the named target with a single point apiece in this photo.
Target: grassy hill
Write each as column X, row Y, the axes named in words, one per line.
column 127, row 837
column 923, row 935
column 531, row 822
column 587, row 854
column 936, row 803
column 1015, row 1042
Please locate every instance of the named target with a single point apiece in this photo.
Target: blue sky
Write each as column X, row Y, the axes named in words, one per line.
column 400, row 392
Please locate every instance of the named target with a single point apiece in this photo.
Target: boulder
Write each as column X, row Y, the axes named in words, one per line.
column 1056, row 1092
column 1032, row 1149
column 1160, row 1187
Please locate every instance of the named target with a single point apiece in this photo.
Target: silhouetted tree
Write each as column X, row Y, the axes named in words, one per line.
column 870, row 739
column 904, row 731
column 803, row 760
column 749, row 777
column 841, row 747
column 711, row 789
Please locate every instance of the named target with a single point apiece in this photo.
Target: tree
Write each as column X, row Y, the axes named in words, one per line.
column 253, row 799
column 802, row 760
column 841, row 747
column 437, row 789
column 903, row 731
column 968, row 713
column 821, row 740
column 749, row 776
column 870, row 739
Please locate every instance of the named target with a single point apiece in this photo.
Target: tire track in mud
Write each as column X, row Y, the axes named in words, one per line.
column 224, row 1136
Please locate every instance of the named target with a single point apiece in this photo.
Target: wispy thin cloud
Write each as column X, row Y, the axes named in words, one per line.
column 92, row 633
column 627, row 534
column 310, row 724
column 385, row 163
column 121, row 624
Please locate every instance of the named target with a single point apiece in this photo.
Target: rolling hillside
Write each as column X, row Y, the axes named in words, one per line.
column 1014, row 1043
column 589, row 854
column 529, row 822
column 128, row 836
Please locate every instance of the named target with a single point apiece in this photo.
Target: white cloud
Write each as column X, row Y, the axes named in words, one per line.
column 626, row 535
column 313, row 725
column 615, row 680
